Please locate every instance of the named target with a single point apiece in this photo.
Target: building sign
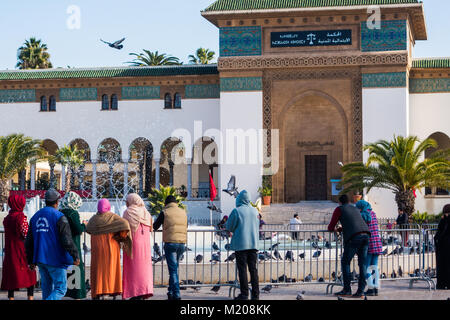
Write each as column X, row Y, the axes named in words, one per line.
column 303, row 144
column 311, row 38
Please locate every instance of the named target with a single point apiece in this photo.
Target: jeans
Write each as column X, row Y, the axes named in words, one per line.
column 173, row 252
column 373, row 273
column 243, row 259
column 53, row 282
column 357, row 245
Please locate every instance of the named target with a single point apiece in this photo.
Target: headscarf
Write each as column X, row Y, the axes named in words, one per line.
column 103, row 206
column 71, row 201
column 16, row 203
column 136, row 212
column 365, row 208
column 446, row 209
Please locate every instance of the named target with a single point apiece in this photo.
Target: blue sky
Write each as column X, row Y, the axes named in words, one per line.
column 170, row 26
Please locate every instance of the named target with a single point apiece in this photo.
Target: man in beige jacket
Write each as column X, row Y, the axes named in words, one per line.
column 174, row 222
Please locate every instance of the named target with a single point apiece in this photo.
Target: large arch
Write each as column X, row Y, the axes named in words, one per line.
column 443, row 142
column 314, row 137
column 110, row 180
column 204, row 161
column 172, row 158
column 141, row 166
column 83, row 176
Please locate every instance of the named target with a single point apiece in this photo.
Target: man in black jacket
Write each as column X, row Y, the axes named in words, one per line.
column 356, row 241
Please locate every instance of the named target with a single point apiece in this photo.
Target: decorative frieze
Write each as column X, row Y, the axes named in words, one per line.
column 240, row 41
column 392, row 36
column 139, row 93
column 241, row 84
column 202, row 91
column 77, row 94
column 429, row 85
column 384, row 80
column 10, row 96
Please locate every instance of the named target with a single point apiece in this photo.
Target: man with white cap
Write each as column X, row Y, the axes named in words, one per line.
column 49, row 245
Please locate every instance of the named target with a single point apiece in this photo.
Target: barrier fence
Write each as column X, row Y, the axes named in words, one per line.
column 311, row 255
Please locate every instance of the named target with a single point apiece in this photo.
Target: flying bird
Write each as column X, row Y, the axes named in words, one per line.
column 267, row 288
column 212, row 207
column 116, row 45
column 231, row 188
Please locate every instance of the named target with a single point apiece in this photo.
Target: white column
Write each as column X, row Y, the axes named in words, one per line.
column 94, row 179
column 125, row 178
column 157, row 173
column 189, row 178
column 33, row 176
column 63, row 177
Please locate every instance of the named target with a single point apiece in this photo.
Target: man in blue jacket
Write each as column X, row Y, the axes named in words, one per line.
column 49, row 245
column 243, row 222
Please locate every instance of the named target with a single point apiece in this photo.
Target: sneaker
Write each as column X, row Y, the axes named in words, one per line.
column 370, row 292
column 343, row 293
column 241, row 297
column 358, row 295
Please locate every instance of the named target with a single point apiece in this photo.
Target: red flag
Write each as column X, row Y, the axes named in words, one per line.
column 212, row 188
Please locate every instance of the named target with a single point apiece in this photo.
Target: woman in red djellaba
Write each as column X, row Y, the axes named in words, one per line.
column 16, row 273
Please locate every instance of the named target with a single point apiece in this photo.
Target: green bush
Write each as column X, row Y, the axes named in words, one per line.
column 157, row 199
column 265, row 191
column 424, row 217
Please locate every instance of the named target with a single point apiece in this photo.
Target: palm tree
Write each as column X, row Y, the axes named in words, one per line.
column 157, row 199
column 149, row 58
column 33, row 55
column 15, row 151
column 397, row 166
column 70, row 157
column 202, row 56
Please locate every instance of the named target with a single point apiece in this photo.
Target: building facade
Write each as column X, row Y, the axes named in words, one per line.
column 299, row 88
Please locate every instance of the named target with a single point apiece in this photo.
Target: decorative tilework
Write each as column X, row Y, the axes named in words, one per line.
column 384, row 80
column 429, row 85
column 391, row 37
column 9, row 96
column 137, row 93
column 241, row 84
column 240, row 41
column 202, row 91
column 77, row 94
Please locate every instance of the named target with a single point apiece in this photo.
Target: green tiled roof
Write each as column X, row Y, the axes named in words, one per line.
column 431, row 63
column 109, row 72
column 234, row 5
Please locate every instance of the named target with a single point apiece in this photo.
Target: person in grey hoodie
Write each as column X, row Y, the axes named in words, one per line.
column 243, row 222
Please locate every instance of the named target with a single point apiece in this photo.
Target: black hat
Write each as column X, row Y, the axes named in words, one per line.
column 52, row 195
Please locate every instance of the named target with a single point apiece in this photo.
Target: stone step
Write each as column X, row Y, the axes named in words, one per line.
column 309, row 212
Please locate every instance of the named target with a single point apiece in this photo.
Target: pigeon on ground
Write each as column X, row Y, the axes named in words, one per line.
column 182, row 257
column 308, row 278
column 88, row 286
column 231, row 187
column 340, row 298
column 385, row 252
column 301, row 295
column 277, row 255
column 302, row 255
column 262, row 257
column 231, row 257
column 157, row 249
column 85, row 248
column 267, row 288
column 333, row 276
column 227, row 247
column 314, row 245
column 393, row 274
column 198, row 258
column 215, row 257
column 328, row 245
column 321, row 279
column 159, row 259
column 216, row 288
column 116, row 45
column 383, row 276
column 317, row 254
column 400, row 272
column 289, row 256
column 274, row 246
column 215, row 247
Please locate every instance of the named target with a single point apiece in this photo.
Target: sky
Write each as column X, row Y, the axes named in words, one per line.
column 174, row 27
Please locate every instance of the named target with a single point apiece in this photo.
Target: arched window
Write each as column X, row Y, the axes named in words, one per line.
column 167, row 101
column 105, row 102
column 177, row 101
column 52, row 104
column 44, row 103
column 114, row 102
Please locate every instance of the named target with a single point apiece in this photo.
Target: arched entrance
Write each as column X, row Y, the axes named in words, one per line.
column 443, row 142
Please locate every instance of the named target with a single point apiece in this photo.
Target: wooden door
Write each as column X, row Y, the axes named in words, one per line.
column 316, row 178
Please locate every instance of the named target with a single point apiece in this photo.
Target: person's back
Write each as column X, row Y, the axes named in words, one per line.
column 175, row 224
column 244, row 224
column 352, row 222
column 47, row 246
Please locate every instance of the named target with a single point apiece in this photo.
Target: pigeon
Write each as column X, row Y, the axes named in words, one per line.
column 333, row 276
column 215, row 247
column 215, row 257
column 212, row 207
column 383, row 276
column 289, row 256
column 340, row 298
column 231, row 257
column 400, row 272
column 231, row 188
column 301, row 295
column 395, row 251
column 116, row 45
column 182, row 257
column 353, row 276
column 227, row 247
column 88, row 286
column 393, row 274
column 385, row 252
column 314, row 245
column 274, row 246
column 267, row 288
column 321, row 279
column 187, row 249
column 317, row 254
column 85, row 248
column 216, row 289
column 159, row 259
column 302, row 255
column 328, row 245
column 198, row 258
column 277, row 255
column 157, row 249
column 308, row 278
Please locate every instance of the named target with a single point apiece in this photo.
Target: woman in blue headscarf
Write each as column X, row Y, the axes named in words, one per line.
column 375, row 248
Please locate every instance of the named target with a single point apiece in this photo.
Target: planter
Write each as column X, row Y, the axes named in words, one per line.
column 266, row 200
